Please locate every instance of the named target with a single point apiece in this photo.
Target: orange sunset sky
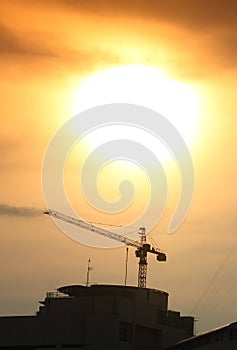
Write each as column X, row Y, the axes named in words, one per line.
column 179, row 57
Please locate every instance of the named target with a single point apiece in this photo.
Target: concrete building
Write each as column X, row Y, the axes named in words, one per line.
column 98, row 317
column 222, row 338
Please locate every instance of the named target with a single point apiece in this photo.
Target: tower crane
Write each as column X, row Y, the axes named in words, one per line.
column 142, row 247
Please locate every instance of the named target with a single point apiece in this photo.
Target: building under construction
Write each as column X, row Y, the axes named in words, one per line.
column 105, row 317
column 98, row 317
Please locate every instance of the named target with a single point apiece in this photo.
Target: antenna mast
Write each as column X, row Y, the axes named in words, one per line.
column 89, row 268
column 126, row 267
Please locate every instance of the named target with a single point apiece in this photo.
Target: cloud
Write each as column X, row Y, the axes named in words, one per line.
column 210, row 26
column 44, row 52
column 198, row 37
column 189, row 13
column 14, row 43
column 10, row 210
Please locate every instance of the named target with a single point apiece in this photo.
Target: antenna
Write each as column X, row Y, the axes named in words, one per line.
column 126, row 267
column 195, row 325
column 89, row 268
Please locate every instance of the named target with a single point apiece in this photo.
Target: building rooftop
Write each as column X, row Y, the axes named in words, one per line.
column 105, row 289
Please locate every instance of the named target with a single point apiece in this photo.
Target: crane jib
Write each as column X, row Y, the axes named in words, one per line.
column 142, row 247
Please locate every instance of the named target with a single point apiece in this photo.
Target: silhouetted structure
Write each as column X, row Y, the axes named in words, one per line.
column 143, row 248
column 98, row 317
column 222, row 338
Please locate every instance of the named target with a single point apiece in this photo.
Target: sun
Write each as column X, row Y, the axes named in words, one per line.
column 143, row 85
column 140, row 85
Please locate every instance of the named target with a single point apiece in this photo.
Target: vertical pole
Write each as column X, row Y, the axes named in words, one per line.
column 89, row 268
column 195, row 325
column 126, row 267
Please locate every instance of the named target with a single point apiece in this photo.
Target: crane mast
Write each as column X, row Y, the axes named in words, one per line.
column 141, row 253
column 142, row 247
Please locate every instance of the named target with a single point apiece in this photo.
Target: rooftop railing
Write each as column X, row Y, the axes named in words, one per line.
column 56, row 294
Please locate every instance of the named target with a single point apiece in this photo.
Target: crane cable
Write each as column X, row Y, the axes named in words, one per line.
column 121, row 226
column 153, row 242
column 111, row 225
column 218, row 285
column 213, row 284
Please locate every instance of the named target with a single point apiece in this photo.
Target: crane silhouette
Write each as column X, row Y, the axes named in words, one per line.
column 142, row 247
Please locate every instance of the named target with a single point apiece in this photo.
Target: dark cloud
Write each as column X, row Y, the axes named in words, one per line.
column 211, row 24
column 19, row 211
column 15, row 43
column 191, row 13
column 206, row 45
column 52, row 55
